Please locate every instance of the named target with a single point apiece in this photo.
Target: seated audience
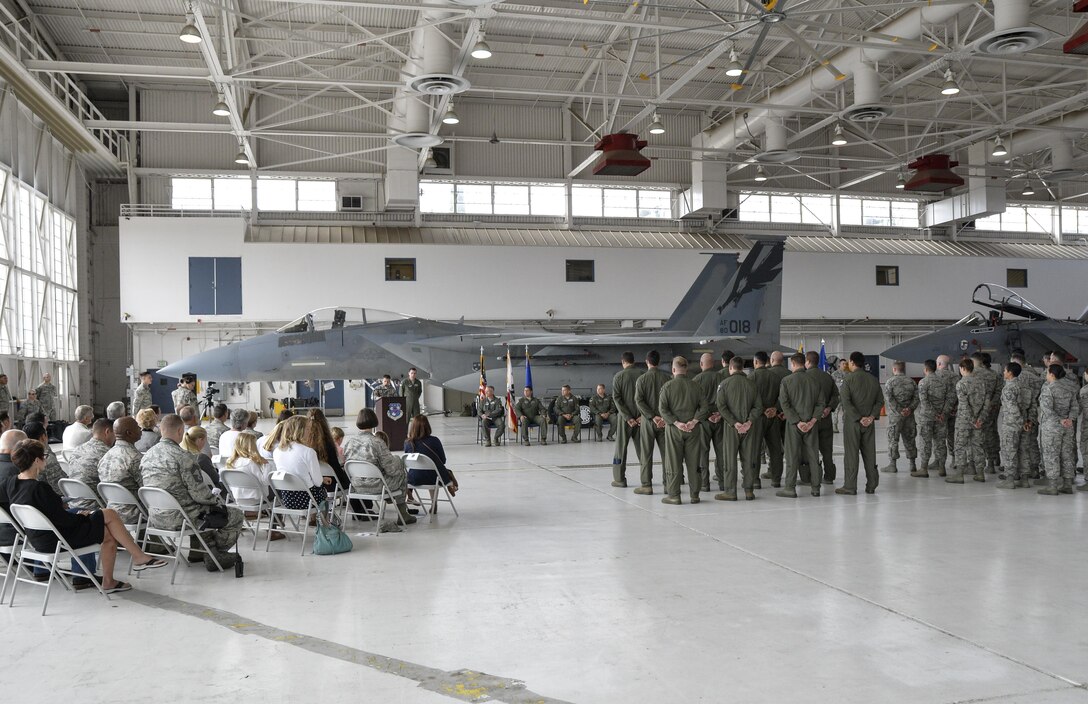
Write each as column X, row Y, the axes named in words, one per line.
column 116, row 410
column 5, row 421
column 292, row 455
column 83, row 461
column 319, row 437
column 78, row 529
column 368, row 448
column 52, row 473
column 169, row 467
column 338, row 438
column 422, row 441
column 8, row 440
column 251, row 424
column 284, row 415
column 239, row 419
column 79, row 432
column 149, row 437
column 121, row 464
column 218, row 426
column 194, row 442
column 246, row 458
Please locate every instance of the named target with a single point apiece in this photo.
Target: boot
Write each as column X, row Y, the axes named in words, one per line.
column 409, row 519
column 671, row 500
column 786, row 493
column 1051, row 488
column 1009, row 483
column 942, row 473
column 954, row 479
column 1067, row 486
column 725, row 496
column 921, row 473
column 749, row 495
column 891, row 468
column 1041, row 481
column 913, row 466
column 226, row 560
column 991, row 467
column 620, row 485
column 196, row 550
column 980, row 477
column 1023, row 483
column 647, row 490
column 1082, row 487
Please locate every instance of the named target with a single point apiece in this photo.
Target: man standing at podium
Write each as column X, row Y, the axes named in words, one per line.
column 411, row 389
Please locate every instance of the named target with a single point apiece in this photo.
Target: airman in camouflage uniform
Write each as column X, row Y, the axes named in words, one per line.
column 950, row 377
column 530, row 410
column 900, row 402
column 5, row 396
column 492, row 414
column 47, row 396
column 167, row 466
column 183, row 396
column 652, row 426
column 566, row 404
column 839, row 376
column 627, row 423
column 141, row 397
column 121, row 465
column 30, row 404
column 218, row 426
column 1030, row 444
column 741, row 408
column 991, row 442
column 933, row 408
column 707, row 380
column 83, row 461
column 1059, row 409
column 971, row 398
column 385, row 389
column 682, row 405
column 1015, row 406
column 1082, row 398
column 52, row 473
column 602, row 409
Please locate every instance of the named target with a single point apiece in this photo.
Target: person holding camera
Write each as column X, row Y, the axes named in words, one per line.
column 185, row 395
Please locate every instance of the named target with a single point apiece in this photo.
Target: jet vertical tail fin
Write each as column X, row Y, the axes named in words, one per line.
column 750, row 304
column 703, row 293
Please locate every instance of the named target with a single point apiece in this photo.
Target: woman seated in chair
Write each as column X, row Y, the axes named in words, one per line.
column 420, row 440
column 367, row 448
column 79, row 529
column 292, row 455
column 246, row 458
column 194, row 442
column 319, row 437
column 149, row 437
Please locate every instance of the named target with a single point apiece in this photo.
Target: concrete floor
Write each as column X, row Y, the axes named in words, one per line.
column 562, row 588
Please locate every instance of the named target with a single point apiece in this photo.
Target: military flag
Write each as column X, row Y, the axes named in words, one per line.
column 823, row 356
column 511, row 417
column 483, row 374
column 528, row 369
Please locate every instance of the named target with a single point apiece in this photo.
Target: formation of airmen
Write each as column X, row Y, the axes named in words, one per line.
column 40, row 399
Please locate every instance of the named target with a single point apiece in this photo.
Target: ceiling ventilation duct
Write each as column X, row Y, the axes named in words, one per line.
column 774, row 146
column 621, row 156
column 1012, row 33
column 933, row 174
column 867, row 106
column 436, row 77
column 1061, row 162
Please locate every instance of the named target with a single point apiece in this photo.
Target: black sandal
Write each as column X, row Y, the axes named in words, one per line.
column 151, row 564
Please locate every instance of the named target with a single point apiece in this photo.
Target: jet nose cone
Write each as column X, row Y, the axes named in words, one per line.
column 220, row 364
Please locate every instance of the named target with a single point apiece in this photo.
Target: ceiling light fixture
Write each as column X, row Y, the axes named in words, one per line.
column 839, row 139
column 430, row 163
column 999, row 147
column 481, row 50
column 450, row 118
column 241, row 157
column 734, row 69
column 656, row 127
column 189, row 33
column 761, row 175
column 1028, row 190
column 221, row 109
column 900, row 181
column 950, row 87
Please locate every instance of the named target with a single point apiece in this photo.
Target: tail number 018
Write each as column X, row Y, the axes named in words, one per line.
column 734, row 327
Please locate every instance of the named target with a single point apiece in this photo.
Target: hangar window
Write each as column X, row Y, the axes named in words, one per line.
column 1017, row 218
column 548, row 200
column 317, row 196
column 400, row 269
column 878, row 212
column 191, row 193
column 234, row 193
column 759, row 207
column 1075, row 220
column 580, row 271
column 511, row 200
column 215, row 285
column 1016, row 278
column 887, row 276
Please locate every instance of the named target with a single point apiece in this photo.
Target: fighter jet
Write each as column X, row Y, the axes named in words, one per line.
column 1026, row 327
column 731, row 304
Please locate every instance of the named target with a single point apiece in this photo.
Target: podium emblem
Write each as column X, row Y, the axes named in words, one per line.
column 395, row 411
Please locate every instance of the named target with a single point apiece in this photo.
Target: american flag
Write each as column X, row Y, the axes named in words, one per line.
column 483, row 374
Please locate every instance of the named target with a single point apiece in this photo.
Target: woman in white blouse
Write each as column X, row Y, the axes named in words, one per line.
column 246, row 458
column 292, row 456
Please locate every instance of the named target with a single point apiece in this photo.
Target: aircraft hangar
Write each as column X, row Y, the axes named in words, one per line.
column 245, row 211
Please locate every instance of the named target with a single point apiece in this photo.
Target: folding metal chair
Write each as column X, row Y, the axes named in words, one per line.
column 282, row 481
column 78, row 490
column 337, row 493
column 31, row 518
column 360, row 469
column 10, row 553
column 417, row 460
column 236, row 479
column 482, row 428
column 116, row 495
column 157, row 499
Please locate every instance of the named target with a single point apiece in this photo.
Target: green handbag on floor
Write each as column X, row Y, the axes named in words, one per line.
column 329, row 539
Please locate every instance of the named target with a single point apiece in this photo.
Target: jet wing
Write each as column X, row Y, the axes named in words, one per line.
column 643, row 338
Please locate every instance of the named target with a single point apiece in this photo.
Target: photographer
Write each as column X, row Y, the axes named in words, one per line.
column 184, row 395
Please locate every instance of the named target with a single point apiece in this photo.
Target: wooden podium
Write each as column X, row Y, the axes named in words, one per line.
column 392, row 420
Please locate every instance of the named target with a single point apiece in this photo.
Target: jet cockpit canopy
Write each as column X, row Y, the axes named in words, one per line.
column 1003, row 300
column 333, row 317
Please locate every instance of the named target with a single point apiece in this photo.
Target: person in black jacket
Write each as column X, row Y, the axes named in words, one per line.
column 8, row 472
column 420, row 440
column 79, row 529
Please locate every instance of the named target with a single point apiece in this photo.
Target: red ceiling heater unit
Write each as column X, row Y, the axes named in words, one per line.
column 933, row 174
column 621, row 156
column 1078, row 43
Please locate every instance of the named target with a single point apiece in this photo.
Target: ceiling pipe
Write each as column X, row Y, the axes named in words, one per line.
column 802, row 90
